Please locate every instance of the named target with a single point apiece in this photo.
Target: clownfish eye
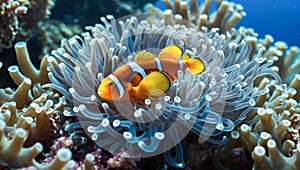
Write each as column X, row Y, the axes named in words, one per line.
column 111, row 83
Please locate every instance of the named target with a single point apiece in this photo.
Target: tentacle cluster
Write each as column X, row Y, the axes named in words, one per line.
column 207, row 104
column 273, row 138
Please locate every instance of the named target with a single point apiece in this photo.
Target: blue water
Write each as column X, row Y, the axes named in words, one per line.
column 279, row 18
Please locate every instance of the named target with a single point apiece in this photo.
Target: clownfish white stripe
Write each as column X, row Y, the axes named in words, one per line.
column 181, row 65
column 118, row 84
column 137, row 68
column 158, row 64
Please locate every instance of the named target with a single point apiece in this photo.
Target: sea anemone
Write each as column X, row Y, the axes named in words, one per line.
column 209, row 104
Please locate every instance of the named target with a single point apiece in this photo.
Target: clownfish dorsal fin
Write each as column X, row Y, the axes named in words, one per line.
column 196, row 65
column 144, row 56
column 154, row 85
column 172, row 52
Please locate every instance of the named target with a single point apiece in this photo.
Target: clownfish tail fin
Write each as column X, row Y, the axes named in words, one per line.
column 196, row 65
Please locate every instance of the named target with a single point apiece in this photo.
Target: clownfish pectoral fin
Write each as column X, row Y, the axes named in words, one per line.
column 154, row 85
column 196, row 65
column 172, row 52
column 144, row 56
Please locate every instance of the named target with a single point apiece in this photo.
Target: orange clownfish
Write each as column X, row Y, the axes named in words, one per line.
column 148, row 76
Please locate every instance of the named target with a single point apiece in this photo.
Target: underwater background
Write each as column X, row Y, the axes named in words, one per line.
column 279, row 18
column 53, row 58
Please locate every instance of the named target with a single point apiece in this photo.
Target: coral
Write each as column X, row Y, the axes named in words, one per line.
column 277, row 110
column 27, row 68
column 286, row 61
column 38, row 10
column 122, row 160
column 273, row 139
column 287, row 65
column 37, row 118
column 272, row 142
column 273, row 136
column 62, row 160
column 11, row 10
column 12, row 151
column 36, row 114
column 19, row 19
column 28, row 128
column 20, row 96
column 62, row 142
column 275, row 158
column 56, row 108
column 92, row 158
column 225, row 16
column 208, row 104
column 53, row 31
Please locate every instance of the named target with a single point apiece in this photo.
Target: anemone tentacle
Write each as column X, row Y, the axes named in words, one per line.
column 208, row 104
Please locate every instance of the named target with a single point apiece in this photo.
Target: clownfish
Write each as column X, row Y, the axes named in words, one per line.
column 148, row 76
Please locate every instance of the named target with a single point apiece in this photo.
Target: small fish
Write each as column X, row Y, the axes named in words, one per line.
column 148, row 76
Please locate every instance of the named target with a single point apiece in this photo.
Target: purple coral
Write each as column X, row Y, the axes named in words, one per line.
column 62, row 142
column 122, row 160
column 96, row 159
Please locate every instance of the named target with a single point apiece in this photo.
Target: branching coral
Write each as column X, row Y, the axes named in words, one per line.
column 36, row 118
column 19, row 19
column 29, row 106
column 122, row 160
column 62, row 160
column 31, row 125
column 10, row 11
column 12, row 151
column 20, row 95
column 287, row 65
column 225, row 16
column 38, row 10
column 208, row 104
column 92, row 158
column 273, row 140
column 29, row 71
column 266, row 152
column 26, row 92
column 269, row 153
